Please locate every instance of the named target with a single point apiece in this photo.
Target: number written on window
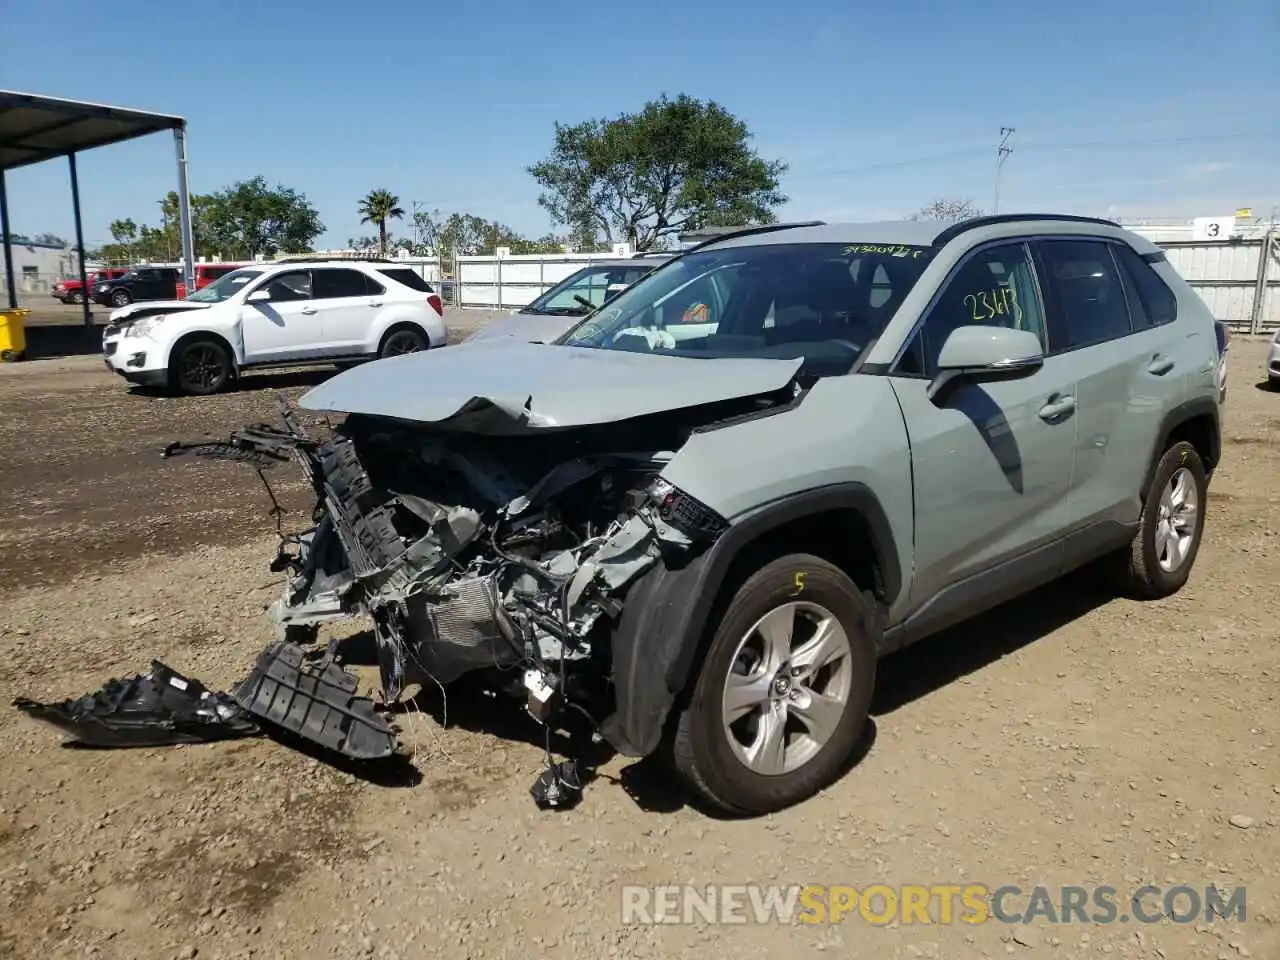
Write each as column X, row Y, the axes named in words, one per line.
column 993, row 304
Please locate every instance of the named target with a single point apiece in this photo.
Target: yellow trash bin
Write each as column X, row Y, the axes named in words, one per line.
column 13, row 334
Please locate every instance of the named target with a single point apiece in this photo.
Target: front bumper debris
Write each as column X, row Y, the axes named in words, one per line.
column 318, row 705
column 160, row 708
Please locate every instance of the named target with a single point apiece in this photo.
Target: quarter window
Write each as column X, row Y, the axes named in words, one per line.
column 995, row 287
column 1157, row 302
column 1087, row 293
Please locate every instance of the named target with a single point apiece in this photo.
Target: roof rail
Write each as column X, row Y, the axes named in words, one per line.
column 725, row 233
column 320, row 258
column 953, row 231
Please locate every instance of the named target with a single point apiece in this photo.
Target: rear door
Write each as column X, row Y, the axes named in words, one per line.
column 1123, row 349
column 991, row 462
column 348, row 301
column 285, row 327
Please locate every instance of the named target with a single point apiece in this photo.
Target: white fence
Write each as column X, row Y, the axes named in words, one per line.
column 1239, row 280
column 505, row 282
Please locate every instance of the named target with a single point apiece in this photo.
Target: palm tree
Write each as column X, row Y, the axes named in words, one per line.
column 379, row 207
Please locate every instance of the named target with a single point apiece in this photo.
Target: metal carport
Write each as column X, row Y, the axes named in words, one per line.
column 34, row 129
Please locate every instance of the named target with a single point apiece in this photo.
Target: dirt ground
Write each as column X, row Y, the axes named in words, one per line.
column 1066, row 739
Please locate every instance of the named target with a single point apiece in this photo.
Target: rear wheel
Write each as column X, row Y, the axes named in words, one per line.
column 402, row 340
column 1159, row 560
column 784, row 692
column 200, row 367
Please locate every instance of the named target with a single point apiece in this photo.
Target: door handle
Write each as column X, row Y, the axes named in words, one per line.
column 308, row 310
column 375, row 303
column 1058, row 407
column 1160, row 365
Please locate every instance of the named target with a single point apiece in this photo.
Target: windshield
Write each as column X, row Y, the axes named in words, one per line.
column 584, row 291
column 225, row 287
column 825, row 302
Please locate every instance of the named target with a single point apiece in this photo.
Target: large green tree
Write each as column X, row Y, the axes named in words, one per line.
column 645, row 177
column 250, row 218
column 379, row 207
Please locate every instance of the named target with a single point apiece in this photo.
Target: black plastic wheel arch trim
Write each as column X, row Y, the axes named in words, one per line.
column 665, row 617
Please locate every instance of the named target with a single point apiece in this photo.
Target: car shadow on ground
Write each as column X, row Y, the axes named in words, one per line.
column 903, row 677
column 966, row 648
column 253, row 382
column 1265, row 386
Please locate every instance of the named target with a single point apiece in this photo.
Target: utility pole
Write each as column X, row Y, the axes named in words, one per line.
column 417, row 231
column 1002, row 151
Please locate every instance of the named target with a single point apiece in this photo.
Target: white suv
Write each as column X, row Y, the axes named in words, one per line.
column 282, row 314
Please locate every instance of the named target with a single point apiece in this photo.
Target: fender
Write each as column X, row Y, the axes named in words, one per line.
column 664, row 619
column 1175, row 418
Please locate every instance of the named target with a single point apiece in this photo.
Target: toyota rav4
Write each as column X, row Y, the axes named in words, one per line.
column 703, row 536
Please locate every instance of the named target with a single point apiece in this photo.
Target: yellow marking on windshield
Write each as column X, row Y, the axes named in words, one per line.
column 885, row 249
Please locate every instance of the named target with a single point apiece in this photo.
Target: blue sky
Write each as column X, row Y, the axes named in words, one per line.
column 1143, row 108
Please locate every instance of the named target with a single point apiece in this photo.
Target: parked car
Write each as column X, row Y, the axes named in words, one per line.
column 1273, row 362
column 283, row 314
column 1223, row 333
column 703, row 544
column 72, row 290
column 139, row 283
column 559, row 308
column 206, row 273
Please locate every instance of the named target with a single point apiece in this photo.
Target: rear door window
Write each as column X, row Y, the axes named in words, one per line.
column 1087, row 304
column 336, row 283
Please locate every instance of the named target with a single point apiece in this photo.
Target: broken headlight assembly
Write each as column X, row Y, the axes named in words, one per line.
column 684, row 513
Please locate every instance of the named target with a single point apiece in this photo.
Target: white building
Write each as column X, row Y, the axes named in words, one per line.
column 37, row 266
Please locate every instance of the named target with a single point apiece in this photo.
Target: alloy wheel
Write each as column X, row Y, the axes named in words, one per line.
column 788, row 688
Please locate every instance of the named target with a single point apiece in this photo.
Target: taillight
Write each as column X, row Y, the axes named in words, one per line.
column 436, row 303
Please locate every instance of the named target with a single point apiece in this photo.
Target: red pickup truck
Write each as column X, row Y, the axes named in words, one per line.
column 71, row 291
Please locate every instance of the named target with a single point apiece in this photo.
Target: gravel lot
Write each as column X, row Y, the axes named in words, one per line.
column 1066, row 739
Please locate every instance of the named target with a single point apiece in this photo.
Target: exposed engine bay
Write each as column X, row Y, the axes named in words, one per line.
column 475, row 552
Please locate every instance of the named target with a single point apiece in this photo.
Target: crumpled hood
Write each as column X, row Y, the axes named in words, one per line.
column 150, row 308
column 506, row 385
column 525, row 326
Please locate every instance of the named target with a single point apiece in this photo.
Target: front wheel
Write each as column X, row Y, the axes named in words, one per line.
column 200, row 367
column 1159, row 560
column 76, row 297
column 121, row 298
column 784, row 692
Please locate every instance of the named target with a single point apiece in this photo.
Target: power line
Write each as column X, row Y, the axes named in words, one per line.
column 1033, row 147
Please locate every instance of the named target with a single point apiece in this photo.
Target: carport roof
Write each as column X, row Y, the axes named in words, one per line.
column 34, row 129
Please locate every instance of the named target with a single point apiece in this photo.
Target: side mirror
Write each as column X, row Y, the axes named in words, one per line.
column 978, row 353
column 258, row 296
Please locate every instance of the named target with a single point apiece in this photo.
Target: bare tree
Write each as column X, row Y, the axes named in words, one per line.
column 948, row 208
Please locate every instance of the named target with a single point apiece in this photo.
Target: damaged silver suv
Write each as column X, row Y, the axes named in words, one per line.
column 702, row 514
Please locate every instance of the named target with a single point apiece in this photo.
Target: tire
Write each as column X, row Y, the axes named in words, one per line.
column 1149, row 569
column 121, row 298
column 703, row 747
column 75, row 297
column 200, row 367
column 402, row 340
